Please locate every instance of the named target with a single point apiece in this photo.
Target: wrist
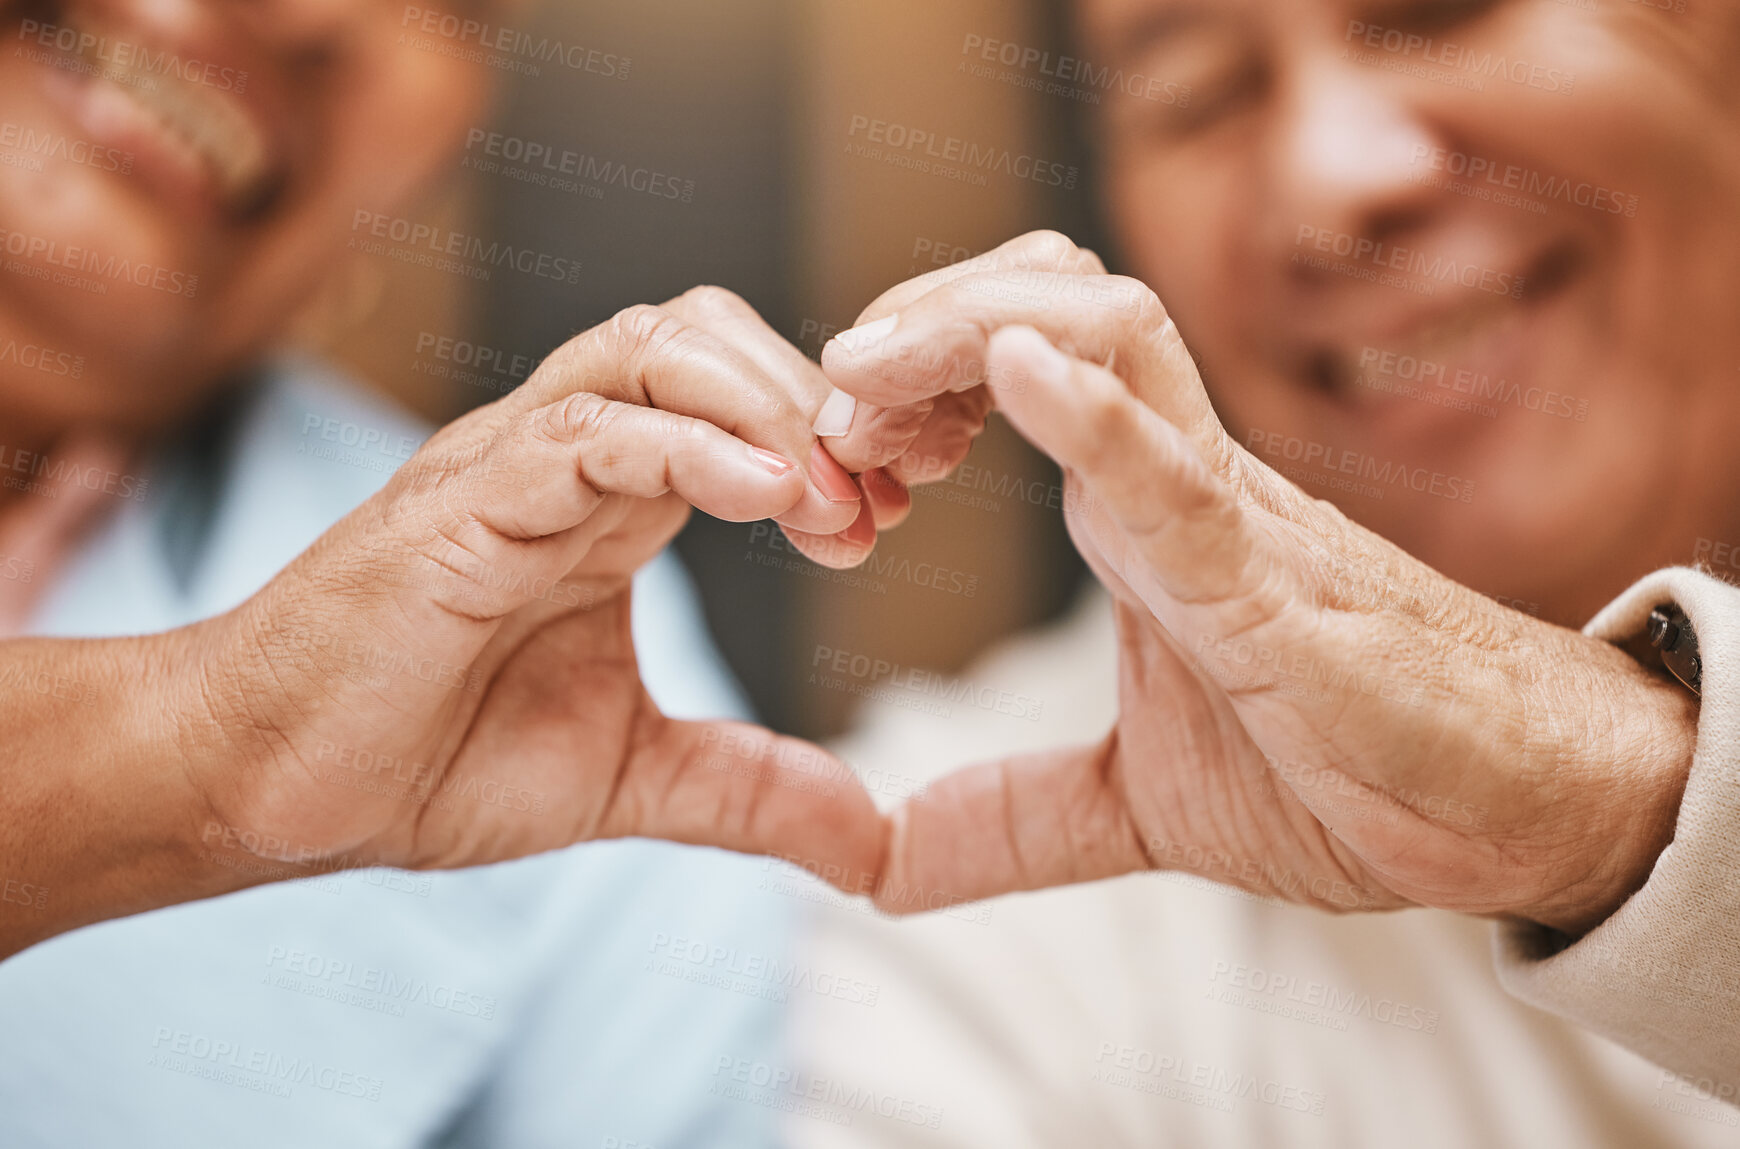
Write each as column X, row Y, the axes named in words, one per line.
column 253, row 818
column 104, row 817
column 1627, row 771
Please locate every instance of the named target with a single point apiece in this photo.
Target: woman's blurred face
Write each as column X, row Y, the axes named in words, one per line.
column 1466, row 267
column 176, row 175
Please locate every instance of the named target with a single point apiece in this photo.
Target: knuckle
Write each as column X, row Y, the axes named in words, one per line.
column 576, row 418
column 1150, row 314
column 642, row 331
column 710, row 299
column 1047, row 248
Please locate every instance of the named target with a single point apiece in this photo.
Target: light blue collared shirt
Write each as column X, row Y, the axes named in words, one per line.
column 545, row 1002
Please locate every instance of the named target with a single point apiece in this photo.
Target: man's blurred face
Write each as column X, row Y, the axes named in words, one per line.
column 1465, row 267
column 176, row 175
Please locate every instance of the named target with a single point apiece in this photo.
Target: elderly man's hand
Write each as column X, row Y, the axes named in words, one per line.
column 1306, row 711
column 447, row 677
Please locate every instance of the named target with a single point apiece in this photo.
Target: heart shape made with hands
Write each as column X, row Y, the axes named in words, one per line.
column 1306, row 711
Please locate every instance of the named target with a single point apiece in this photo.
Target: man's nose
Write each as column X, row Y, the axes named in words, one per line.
column 1347, row 156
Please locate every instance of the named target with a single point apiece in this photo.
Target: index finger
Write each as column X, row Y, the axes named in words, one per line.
column 1036, row 251
column 893, row 360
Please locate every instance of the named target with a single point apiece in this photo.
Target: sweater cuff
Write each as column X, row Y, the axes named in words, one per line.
column 1661, row 976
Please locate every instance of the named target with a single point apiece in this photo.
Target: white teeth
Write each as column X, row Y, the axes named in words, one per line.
column 207, row 123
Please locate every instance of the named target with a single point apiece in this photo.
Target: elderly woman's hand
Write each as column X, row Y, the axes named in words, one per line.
column 462, row 640
column 447, row 676
column 1306, row 711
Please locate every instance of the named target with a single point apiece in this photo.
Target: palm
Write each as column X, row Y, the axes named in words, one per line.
column 542, row 758
column 430, row 761
column 543, row 735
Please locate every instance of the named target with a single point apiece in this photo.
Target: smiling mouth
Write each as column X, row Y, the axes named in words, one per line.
column 1483, row 331
column 134, row 90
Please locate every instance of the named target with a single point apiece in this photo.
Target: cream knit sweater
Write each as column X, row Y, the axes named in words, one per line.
column 1662, row 975
column 1159, row 1009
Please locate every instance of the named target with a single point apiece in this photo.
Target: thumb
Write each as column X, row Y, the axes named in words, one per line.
column 1142, row 475
column 1022, row 823
column 743, row 788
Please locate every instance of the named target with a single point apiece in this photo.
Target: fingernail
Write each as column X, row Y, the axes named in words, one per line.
column 835, row 417
column 861, row 339
column 862, row 532
column 830, row 478
column 776, row 465
column 1033, row 354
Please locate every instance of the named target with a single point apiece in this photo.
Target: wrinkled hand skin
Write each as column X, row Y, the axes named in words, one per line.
column 1305, row 711
column 447, row 677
